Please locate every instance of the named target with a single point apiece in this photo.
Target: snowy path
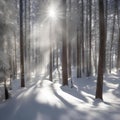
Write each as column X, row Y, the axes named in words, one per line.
column 48, row 101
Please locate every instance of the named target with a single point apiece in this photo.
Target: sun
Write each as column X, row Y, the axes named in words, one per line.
column 52, row 12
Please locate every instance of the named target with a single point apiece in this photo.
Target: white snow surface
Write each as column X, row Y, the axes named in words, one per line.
column 47, row 100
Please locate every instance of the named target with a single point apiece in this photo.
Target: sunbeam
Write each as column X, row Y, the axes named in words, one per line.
column 52, row 13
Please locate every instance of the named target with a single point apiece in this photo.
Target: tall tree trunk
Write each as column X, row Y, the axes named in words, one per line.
column 90, row 42
column 6, row 90
column 79, row 74
column 118, row 47
column 106, row 19
column 15, row 43
column 69, row 41
column 118, row 53
column 25, row 40
column 21, row 45
column 87, row 39
column 82, row 38
column 99, row 89
column 29, row 40
column 51, row 65
column 64, row 46
column 96, row 42
column 79, row 39
column 112, row 36
column 57, row 59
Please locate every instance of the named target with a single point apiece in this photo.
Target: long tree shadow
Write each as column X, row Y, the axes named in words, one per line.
column 116, row 92
column 61, row 98
column 110, row 82
column 81, row 89
column 112, row 78
column 27, row 106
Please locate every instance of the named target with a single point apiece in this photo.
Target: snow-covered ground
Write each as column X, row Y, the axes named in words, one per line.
column 51, row 101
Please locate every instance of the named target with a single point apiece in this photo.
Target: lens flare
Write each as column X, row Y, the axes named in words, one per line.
column 52, row 13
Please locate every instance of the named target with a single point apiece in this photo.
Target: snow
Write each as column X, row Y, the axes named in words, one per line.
column 47, row 100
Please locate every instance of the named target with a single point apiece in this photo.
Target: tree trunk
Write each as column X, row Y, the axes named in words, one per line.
column 78, row 54
column 82, row 38
column 21, row 45
column 87, row 40
column 64, row 46
column 6, row 90
column 99, row 89
column 106, row 19
column 69, row 40
column 51, row 65
column 118, row 47
column 112, row 36
column 90, row 46
column 80, row 32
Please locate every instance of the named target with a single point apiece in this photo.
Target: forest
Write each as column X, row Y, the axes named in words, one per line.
column 59, row 59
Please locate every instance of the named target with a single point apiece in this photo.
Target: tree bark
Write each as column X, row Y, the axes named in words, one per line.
column 99, row 89
column 64, row 46
column 51, row 65
column 112, row 36
column 21, row 45
column 90, row 37
column 69, row 41
column 6, row 91
column 118, row 47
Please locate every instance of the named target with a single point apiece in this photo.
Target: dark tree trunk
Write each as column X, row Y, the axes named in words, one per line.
column 29, row 39
column 21, row 45
column 6, row 91
column 69, row 41
column 64, row 46
column 118, row 53
column 112, row 36
column 82, row 37
column 99, row 89
column 87, row 39
column 90, row 44
column 78, row 54
column 15, row 56
column 79, row 39
column 118, row 47
column 106, row 19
